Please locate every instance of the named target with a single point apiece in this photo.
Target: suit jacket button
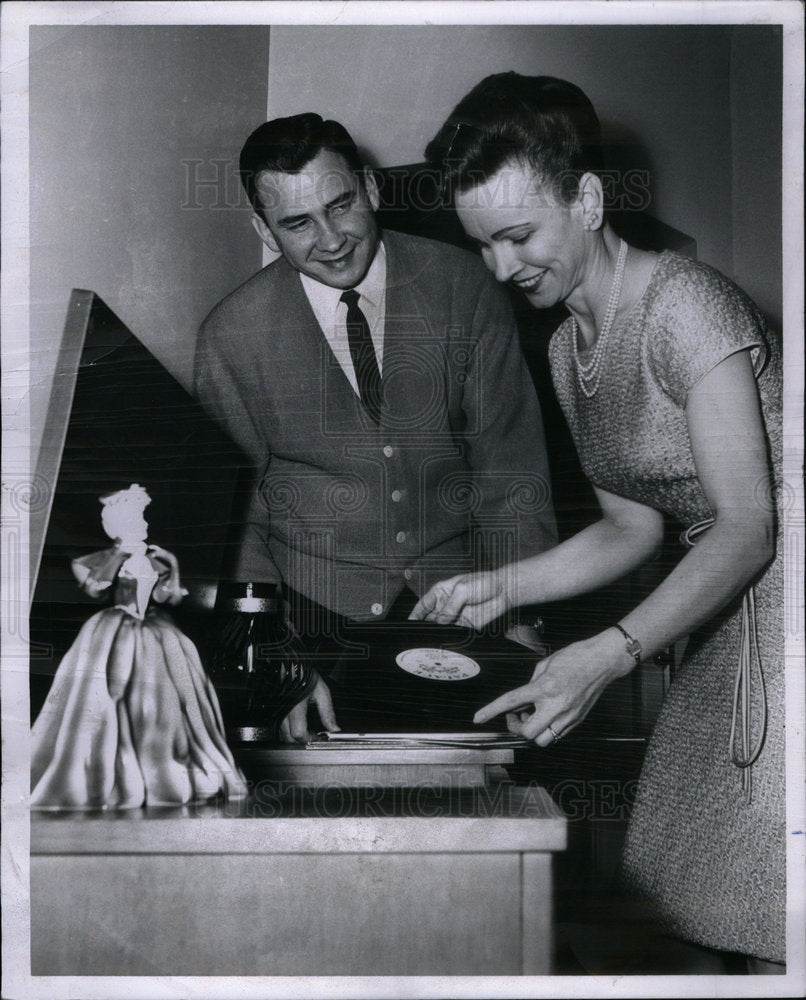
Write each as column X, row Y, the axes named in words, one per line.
column 376, row 609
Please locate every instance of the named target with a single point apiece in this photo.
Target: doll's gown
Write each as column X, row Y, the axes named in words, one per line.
column 131, row 718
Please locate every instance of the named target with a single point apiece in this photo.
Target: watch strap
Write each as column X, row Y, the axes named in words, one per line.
column 633, row 645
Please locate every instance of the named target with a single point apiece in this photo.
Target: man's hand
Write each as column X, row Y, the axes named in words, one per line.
column 471, row 599
column 294, row 727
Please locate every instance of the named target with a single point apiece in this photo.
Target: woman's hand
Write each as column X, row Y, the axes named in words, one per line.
column 563, row 689
column 471, row 599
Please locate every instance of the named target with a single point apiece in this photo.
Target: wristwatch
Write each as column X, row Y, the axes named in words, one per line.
column 633, row 645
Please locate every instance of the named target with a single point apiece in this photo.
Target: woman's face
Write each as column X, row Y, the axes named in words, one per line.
column 528, row 237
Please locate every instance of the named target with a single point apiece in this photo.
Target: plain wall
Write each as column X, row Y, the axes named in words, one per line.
column 756, row 87
column 690, row 104
column 117, row 115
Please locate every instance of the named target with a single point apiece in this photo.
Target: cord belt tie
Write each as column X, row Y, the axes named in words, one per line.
column 742, row 753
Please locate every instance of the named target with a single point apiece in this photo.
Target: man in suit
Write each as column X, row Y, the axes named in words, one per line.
column 377, row 382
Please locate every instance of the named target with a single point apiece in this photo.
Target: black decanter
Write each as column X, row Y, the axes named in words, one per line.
column 258, row 665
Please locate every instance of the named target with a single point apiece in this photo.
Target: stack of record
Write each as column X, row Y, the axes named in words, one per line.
column 421, row 677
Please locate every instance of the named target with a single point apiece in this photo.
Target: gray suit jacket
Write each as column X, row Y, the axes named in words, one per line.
column 455, row 476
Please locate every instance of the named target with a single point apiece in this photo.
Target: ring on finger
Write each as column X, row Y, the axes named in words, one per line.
column 553, row 733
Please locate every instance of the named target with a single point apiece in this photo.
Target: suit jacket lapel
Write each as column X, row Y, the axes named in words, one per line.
column 340, row 406
column 413, row 356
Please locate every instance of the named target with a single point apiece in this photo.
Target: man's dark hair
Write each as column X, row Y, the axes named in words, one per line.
column 286, row 145
column 541, row 121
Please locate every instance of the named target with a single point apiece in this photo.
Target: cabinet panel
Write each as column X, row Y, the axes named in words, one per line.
column 253, row 915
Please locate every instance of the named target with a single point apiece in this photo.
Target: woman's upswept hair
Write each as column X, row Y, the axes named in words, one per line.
column 541, row 121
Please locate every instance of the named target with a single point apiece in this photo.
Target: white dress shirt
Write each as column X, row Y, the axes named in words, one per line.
column 331, row 313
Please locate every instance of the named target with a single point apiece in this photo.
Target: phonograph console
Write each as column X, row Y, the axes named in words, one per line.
column 404, row 695
column 441, row 858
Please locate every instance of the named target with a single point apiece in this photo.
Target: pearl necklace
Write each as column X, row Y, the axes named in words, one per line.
column 589, row 373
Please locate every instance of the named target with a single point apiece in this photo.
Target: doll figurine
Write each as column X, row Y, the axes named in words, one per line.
column 132, row 718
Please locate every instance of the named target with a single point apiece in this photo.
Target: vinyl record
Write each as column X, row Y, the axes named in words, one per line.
column 420, row 677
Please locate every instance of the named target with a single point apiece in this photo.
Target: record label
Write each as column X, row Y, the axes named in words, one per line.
column 437, row 664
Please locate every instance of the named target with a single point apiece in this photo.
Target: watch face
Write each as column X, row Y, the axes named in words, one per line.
column 437, row 664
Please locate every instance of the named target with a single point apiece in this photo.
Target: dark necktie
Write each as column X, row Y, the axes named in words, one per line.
column 362, row 352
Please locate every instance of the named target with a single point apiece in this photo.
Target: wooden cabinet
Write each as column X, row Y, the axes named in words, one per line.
column 407, row 881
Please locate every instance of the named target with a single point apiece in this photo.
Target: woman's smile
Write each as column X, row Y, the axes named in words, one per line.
column 529, row 284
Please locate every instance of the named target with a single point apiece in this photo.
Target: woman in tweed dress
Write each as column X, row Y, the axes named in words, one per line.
column 671, row 387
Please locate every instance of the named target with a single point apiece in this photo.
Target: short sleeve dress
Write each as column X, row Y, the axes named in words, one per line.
column 707, row 863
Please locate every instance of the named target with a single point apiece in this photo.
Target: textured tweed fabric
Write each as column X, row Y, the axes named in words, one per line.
column 706, row 864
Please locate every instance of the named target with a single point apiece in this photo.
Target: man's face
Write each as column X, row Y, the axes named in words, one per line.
column 321, row 220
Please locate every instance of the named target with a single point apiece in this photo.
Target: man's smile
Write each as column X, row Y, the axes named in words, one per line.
column 338, row 263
